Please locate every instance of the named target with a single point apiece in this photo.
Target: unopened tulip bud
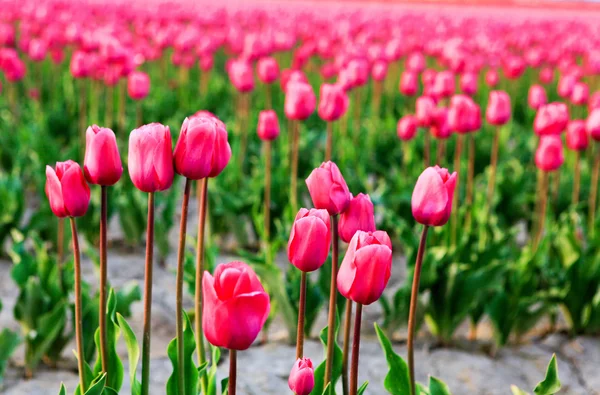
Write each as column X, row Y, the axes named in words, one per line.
column 150, row 158
column 302, row 377
column 268, row 125
column 333, row 102
column 268, row 70
column 432, row 197
column 407, row 128
column 67, row 190
column 498, row 110
column 300, row 101
column 138, row 85
column 358, row 216
column 551, row 118
column 409, row 83
column 102, row 163
column 536, row 97
column 577, row 137
column 592, row 125
column 328, row 188
column 549, row 155
column 310, row 239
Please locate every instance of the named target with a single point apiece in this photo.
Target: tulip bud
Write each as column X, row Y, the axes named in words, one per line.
column 236, row 306
column 514, row 67
column 150, row 158
column 432, row 198
column 551, row 118
column 440, row 129
column 407, row 128
column 202, row 149
column 415, row 62
column 424, row 111
column 379, row 70
column 580, row 94
column 464, row 115
column 138, row 85
column 366, row 268
column 592, row 125
column 66, row 189
column 409, row 83
column 492, row 78
column 549, row 155
column 546, row 75
column 241, row 75
column 468, row 83
column 268, row 125
column 333, row 102
column 328, row 189
column 268, row 70
column 288, row 76
column 536, row 97
column 358, row 72
column 358, row 216
column 565, row 86
column 577, row 137
column 444, row 84
column 594, row 101
column 498, row 110
column 310, row 239
column 300, row 101
column 102, row 163
column 79, row 65
column 302, row 377
column 37, row 50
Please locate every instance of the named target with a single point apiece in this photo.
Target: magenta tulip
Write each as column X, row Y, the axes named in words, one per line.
column 67, row 190
column 432, row 197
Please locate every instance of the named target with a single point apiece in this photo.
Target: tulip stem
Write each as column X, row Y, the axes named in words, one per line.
column 576, row 178
column 542, row 209
column 377, row 88
column 60, row 241
column 556, row 189
column 355, row 350
column 493, row 169
column 232, row 371
column 346, row 346
column 301, row 313
column 108, row 111
column 202, row 197
column 457, row 155
column 139, row 113
column 594, row 192
column 329, row 143
column 103, row 277
column 426, row 148
column 148, row 297
column 294, row 176
column 122, row 102
column 83, row 96
column 179, row 282
column 332, row 301
column 441, row 152
column 357, row 131
column 268, row 98
column 244, row 101
column 78, row 315
column 267, row 208
column 470, row 176
column 412, row 315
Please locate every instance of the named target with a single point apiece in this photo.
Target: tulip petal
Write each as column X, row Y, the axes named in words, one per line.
column 76, row 192
column 54, row 193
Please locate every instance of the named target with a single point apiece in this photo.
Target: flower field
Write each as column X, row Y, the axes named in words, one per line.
column 321, row 181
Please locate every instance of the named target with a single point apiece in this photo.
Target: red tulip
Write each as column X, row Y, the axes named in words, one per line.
column 432, row 198
column 468, row 83
column 236, row 306
column 328, row 189
column 66, row 189
column 150, row 158
column 577, row 137
column 492, row 78
column 549, row 155
column 102, row 163
column 202, row 149
column 551, row 119
column 310, row 239
column 138, row 85
column 366, row 268
column 407, row 127
column 333, row 102
column 580, row 94
column 358, row 216
column 537, row 97
column 268, row 125
column 409, row 84
column 300, row 101
column 268, row 70
column 592, row 125
column 498, row 110
column 302, row 377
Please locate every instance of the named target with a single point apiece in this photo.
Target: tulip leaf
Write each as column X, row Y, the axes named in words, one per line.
column 225, row 386
column 212, row 372
column 337, row 363
column 362, row 388
column 551, row 384
column 109, row 391
column 516, row 391
column 88, row 376
column 438, row 387
column 133, row 352
column 126, row 296
column 63, row 389
column 113, row 332
column 190, row 370
column 327, row 390
column 9, row 341
column 397, row 381
column 97, row 386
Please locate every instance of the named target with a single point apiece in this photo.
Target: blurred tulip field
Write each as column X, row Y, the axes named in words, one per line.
column 262, row 109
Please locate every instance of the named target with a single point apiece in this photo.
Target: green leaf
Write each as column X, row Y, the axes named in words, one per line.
column 115, row 366
column 551, row 384
column 109, row 391
column 9, row 341
column 189, row 368
column 126, row 296
column 362, row 388
column 97, row 386
column 89, row 376
column 212, row 372
column 397, row 380
column 516, row 391
column 337, row 363
column 327, row 390
column 438, row 387
column 133, row 352
column 63, row 389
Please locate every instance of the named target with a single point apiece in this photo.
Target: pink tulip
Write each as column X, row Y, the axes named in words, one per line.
column 333, row 102
column 302, row 377
column 407, row 128
column 577, row 137
column 102, row 163
column 300, row 101
column 138, row 85
column 310, row 239
column 268, row 70
column 551, row 118
column 379, row 70
column 268, row 125
column 536, row 97
column 565, row 86
column 358, row 216
column 592, row 125
column 492, row 78
column 328, row 189
column 409, row 84
column 580, row 94
column 549, row 155
column 432, row 198
column 66, row 189
column 150, row 158
column 241, row 75
column 468, row 83
column 498, row 110
column 444, row 84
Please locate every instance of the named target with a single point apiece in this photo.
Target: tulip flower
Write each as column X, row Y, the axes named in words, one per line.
column 492, row 78
column 300, row 101
column 328, row 189
column 310, row 239
column 363, row 275
column 379, row 70
column 333, row 102
column 498, row 110
column 468, row 83
column 546, row 75
column 236, row 307
column 267, row 70
column 409, row 83
column 580, row 94
column 268, row 125
column 432, row 197
column 241, row 76
column 407, row 127
column 138, row 85
column 578, row 141
column 150, row 158
column 358, row 216
column 551, row 119
column 302, row 377
column 102, row 163
column 443, row 86
column 592, row 126
column 536, row 97
column 565, row 86
column 202, row 149
column 594, row 101
column 69, row 196
column 424, row 111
